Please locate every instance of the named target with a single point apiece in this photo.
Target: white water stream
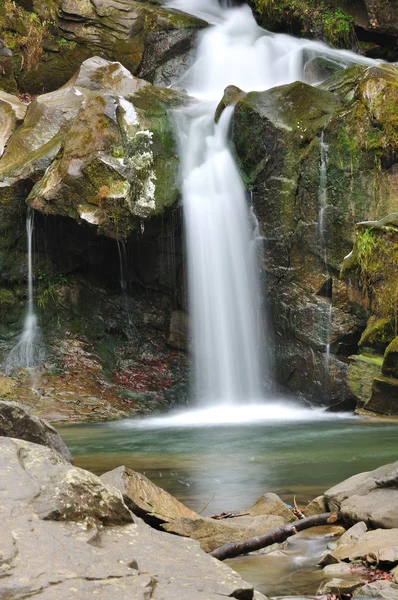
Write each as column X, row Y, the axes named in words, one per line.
column 222, row 268
column 28, row 350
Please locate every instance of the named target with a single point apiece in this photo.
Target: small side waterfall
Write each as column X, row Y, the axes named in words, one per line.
column 28, row 352
column 323, row 204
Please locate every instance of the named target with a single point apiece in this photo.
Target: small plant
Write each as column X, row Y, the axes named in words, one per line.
column 364, row 248
column 47, row 287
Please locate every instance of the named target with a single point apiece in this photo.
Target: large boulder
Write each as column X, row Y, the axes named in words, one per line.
column 102, row 148
column 90, row 553
column 379, row 546
column 369, row 497
column 270, row 504
column 16, row 422
column 146, row 499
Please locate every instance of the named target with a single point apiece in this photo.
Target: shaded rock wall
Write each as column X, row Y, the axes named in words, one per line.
column 308, row 231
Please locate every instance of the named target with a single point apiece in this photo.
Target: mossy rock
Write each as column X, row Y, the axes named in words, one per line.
column 50, row 40
column 117, row 164
column 362, row 370
column 384, row 397
column 378, row 335
column 390, row 363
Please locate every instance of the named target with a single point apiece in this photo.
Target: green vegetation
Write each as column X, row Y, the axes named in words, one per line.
column 23, row 32
column 48, row 287
column 312, row 17
column 374, row 263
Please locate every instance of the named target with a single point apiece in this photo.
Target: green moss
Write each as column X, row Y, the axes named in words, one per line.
column 312, row 17
column 378, row 334
column 393, row 347
column 7, row 298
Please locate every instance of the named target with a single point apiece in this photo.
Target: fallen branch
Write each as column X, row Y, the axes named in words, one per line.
column 276, row 536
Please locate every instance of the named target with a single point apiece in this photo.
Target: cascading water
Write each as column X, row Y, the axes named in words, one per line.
column 28, row 352
column 323, row 204
column 222, row 270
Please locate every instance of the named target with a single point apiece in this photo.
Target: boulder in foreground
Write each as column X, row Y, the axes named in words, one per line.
column 81, row 557
column 16, row 422
column 370, row 497
column 146, row 499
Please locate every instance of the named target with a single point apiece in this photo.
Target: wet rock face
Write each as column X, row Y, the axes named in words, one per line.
column 308, row 230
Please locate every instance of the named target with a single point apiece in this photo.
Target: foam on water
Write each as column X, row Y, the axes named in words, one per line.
column 249, row 414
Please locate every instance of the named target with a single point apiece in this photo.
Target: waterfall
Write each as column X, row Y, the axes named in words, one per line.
column 222, row 271
column 28, row 351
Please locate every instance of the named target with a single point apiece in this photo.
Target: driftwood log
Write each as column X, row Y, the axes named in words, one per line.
column 276, row 536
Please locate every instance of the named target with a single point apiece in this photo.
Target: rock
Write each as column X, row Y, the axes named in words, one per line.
column 60, row 491
column 179, row 336
column 212, row 533
column 271, row 504
column 12, row 111
column 146, row 499
column 353, row 533
column 378, row 589
column 370, row 497
column 377, row 546
column 55, row 560
column 320, row 68
column 384, row 398
column 124, row 31
column 338, row 570
column 16, row 422
column 390, row 362
column 339, row 586
column 362, row 370
column 141, row 35
column 317, row 506
column 114, row 145
column 382, row 17
column 280, row 153
column 129, row 169
column 231, row 96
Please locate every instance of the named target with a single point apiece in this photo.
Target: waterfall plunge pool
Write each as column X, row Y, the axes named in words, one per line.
column 225, row 467
column 214, row 467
